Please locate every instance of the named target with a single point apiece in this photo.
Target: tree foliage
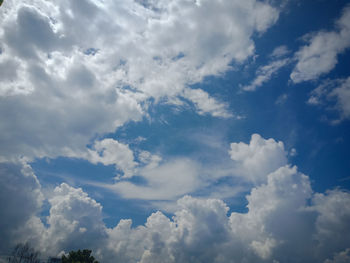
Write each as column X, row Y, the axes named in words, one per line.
column 79, row 256
column 23, row 253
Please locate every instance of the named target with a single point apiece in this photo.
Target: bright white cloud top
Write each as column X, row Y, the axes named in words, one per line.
column 143, row 100
column 202, row 230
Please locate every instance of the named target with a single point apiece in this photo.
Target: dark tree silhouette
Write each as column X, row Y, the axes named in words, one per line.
column 79, row 257
column 23, row 253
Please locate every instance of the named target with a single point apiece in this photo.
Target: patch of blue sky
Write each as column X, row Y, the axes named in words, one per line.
column 179, row 56
column 91, row 51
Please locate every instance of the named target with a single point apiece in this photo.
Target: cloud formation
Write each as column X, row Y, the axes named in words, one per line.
column 169, row 179
column 112, row 152
column 20, row 200
column 285, row 220
column 87, row 69
column 335, row 94
column 166, row 181
column 320, row 54
column 265, row 73
column 254, row 161
column 72, row 72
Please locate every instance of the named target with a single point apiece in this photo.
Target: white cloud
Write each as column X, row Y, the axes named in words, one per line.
column 279, row 225
column 332, row 222
column 258, row 158
column 265, row 73
column 160, row 179
column 319, row 56
column 166, row 181
column 333, row 95
column 277, row 201
column 109, row 151
column 206, row 104
column 342, row 95
column 88, row 71
column 285, row 220
column 280, row 51
column 74, row 218
column 75, row 221
column 91, row 67
column 281, row 99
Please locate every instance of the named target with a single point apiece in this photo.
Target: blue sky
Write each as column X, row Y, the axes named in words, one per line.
column 176, row 131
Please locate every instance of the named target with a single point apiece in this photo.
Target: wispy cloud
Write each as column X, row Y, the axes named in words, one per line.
column 333, row 95
column 266, row 72
column 320, row 55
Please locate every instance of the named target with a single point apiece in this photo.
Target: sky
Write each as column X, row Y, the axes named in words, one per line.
column 176, row 130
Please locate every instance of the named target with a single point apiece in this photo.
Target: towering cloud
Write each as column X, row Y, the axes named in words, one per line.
column 285, row 220
column 254, row 161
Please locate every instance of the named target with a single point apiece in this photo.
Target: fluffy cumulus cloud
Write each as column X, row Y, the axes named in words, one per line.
column 112, row 152
column 332, row 221
column 285, row 221
column 74, row 218
column 335, row 94
column 254, row 161
column 75, row 221
column 87, row 69
column 319, row 56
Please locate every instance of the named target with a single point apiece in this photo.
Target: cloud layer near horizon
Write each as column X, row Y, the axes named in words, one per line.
column 285, row 220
